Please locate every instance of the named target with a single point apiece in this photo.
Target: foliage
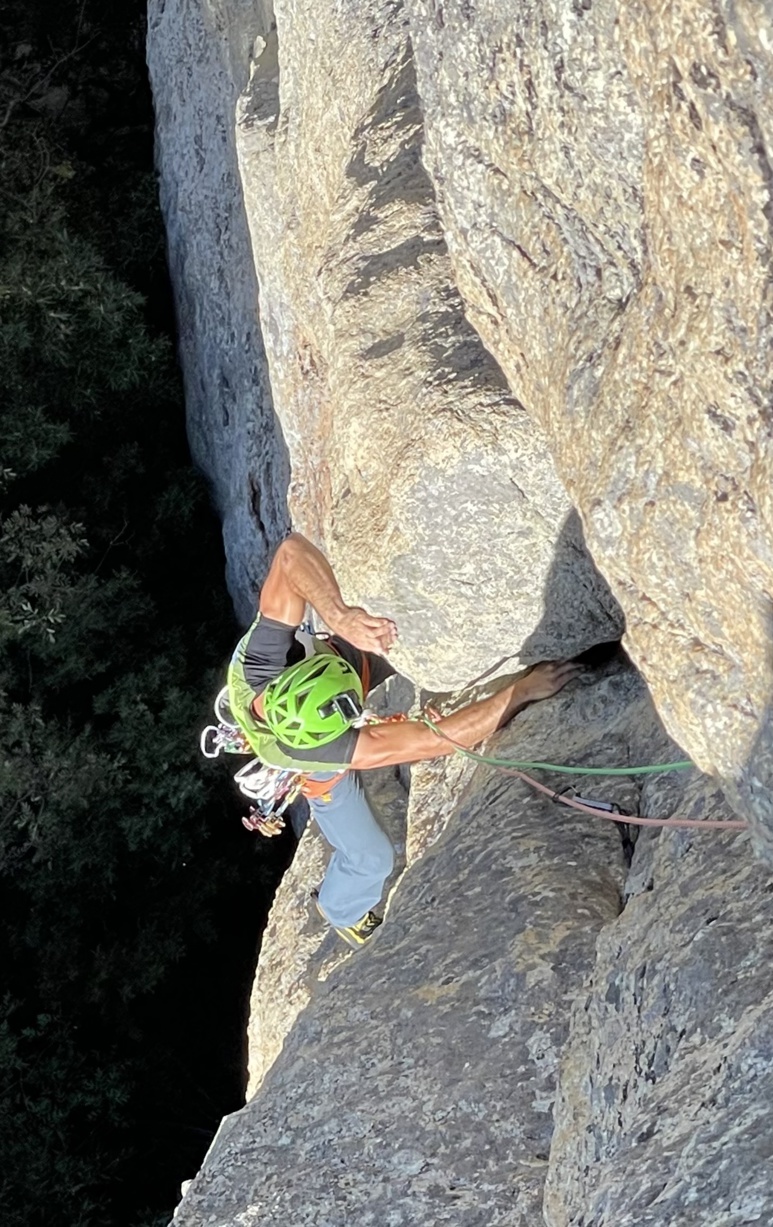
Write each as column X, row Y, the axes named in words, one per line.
column 112, row 625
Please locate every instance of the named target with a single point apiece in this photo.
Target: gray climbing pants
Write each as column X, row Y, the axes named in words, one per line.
column 362, row 854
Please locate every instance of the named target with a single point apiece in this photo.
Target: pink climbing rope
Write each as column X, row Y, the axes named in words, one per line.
column 728, row 824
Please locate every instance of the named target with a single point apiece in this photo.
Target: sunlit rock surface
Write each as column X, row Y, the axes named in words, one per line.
column 603, row 177
column 419, row 1085
column 197, row 56
column 431, row 489
column 299, row 948
column 535, row 1037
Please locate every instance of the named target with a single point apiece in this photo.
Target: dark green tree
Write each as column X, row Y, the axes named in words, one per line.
column 117, row 880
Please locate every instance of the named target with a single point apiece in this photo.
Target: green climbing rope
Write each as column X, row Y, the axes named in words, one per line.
column 682, row 765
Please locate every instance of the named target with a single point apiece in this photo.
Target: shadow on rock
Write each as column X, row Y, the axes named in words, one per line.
column 600, row 610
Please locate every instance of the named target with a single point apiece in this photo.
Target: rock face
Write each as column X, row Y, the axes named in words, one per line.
column 439, row 1044
column 197, row 56
column 659, row 1114
column 418, row 1086
column 411, row 462
column 603, row 179
column 299, row 949
column 513, row 264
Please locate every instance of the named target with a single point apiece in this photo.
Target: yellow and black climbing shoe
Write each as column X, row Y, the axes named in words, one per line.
column 355, row 935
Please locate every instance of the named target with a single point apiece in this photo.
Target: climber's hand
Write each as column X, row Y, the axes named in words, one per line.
column 549, row 677
column 366, row 631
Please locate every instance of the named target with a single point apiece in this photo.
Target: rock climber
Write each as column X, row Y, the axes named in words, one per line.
column 298, row 711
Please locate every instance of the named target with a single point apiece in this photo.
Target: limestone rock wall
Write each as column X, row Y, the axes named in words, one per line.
column 603, row 176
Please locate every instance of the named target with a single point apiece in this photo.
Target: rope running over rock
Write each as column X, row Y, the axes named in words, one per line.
column 508, row 767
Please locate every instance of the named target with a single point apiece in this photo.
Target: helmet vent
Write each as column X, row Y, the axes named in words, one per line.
column 313, row 702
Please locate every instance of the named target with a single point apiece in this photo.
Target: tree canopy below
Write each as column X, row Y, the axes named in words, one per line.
column 132, row 899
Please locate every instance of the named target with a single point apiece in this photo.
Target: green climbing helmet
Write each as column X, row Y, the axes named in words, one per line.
column 313, row 702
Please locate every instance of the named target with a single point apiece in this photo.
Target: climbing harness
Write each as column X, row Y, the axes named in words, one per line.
column 599, row 809
column 272, row 789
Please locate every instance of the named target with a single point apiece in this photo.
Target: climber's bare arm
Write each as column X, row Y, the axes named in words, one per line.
column 387, row 744
column 299, row 574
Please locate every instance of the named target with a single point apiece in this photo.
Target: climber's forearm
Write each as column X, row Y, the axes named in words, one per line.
column 479, row 720
column 387, row 744
column 300, row 574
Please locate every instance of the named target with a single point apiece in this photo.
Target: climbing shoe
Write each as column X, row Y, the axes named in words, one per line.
column 354, row 935
column 357, row 934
